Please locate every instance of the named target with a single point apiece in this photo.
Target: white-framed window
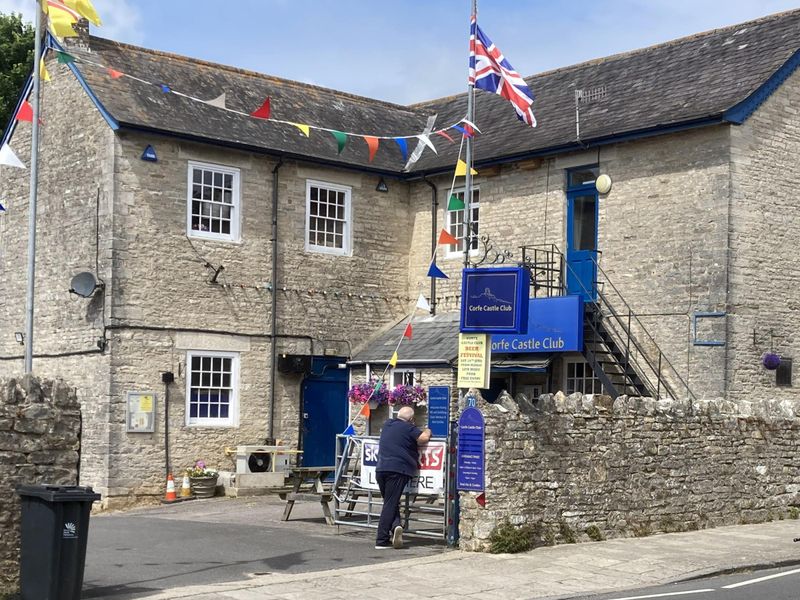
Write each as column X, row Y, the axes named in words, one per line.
column 328, row 218
column 213, row 204
column 456, row 226
column 212, row 388
column 401, row 377
column 579, row 377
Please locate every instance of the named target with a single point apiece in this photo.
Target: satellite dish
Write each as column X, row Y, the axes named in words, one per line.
column 84, row 284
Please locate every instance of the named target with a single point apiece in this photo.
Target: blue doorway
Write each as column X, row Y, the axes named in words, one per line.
column 582, row 216
column 324, row 411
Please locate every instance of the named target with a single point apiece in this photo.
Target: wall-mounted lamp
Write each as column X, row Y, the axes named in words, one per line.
column 382, row 187
column 603, row 184
column 20, row 337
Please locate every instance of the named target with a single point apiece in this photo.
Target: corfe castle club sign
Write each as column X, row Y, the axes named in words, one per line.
column 495, row 300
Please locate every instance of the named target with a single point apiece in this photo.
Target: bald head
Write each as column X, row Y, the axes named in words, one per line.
column 406, row 414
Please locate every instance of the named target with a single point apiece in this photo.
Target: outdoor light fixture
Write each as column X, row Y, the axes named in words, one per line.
column 20, row 337
column 603, row 184
column 382, row 187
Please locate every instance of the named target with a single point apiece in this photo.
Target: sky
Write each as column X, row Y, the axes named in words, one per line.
column 404, row 52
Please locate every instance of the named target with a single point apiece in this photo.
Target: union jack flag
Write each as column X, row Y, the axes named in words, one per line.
column 490, row 71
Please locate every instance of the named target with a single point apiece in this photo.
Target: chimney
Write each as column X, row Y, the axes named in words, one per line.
column 81, row 42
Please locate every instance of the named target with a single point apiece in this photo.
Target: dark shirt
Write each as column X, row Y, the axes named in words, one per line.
column 398, row 447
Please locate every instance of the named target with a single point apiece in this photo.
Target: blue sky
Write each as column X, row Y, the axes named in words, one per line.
column 404, row 51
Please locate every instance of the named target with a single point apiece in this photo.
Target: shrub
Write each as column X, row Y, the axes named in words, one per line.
column 594, row 533
column 508, row 539
column 567, row 533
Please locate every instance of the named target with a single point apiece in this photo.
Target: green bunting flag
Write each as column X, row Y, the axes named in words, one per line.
column 455, row 203
column 341, row 139
column 64, row 58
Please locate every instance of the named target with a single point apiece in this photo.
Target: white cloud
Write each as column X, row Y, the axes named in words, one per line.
column 25, row 7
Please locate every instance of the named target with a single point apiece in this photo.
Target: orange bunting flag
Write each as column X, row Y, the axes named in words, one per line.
column 264, row 111
column 114, row 74
column 372, row 143
column 393, row 360
column 407, row 332
column 445, row 237
column 25, row 112
column 365, row 410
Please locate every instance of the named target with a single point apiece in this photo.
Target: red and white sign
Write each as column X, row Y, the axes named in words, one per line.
column 428, row 480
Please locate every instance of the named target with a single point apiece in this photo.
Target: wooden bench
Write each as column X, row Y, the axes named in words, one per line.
column 309, row 486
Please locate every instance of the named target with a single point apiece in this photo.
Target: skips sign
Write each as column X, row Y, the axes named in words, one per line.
column 495, row 300
column 429, row 479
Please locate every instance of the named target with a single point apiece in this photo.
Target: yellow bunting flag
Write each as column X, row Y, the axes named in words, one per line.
column 393, row 360
column 85, row 9
column 304, row 128
column 62, row 18
column 43, row 74
column 461, row 169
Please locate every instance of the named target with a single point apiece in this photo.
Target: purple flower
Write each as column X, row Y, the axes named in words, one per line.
column 200, row 464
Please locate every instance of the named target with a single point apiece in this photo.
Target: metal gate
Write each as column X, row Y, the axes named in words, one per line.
column 356, row 505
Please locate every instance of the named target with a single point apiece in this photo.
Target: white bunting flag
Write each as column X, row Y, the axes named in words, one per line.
column 219, row 101
column 427, row 141
column 422, row 303
column 8, row 158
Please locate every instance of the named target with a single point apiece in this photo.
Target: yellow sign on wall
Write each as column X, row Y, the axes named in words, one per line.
column 474, row 360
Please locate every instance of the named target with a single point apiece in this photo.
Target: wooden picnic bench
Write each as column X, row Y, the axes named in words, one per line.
column 309, row 485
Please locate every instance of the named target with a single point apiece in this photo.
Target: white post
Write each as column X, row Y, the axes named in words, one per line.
column 468, row 178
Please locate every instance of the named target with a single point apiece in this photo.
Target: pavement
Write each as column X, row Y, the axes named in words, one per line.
column 558, row 572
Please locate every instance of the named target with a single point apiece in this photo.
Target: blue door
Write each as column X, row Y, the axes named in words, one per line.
column 324, row 411
column 582, row 208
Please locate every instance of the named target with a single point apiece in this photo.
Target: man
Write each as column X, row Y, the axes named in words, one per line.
column 398, row 461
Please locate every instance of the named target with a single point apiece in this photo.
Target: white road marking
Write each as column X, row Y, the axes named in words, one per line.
column 667, row 594
column 760, row 579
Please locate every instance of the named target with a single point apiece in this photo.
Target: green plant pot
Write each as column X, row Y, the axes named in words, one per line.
column 203, row 487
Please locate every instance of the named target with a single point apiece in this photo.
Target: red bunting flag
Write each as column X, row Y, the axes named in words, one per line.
column 445, row 136
column 445, row 237
column 114, row 74
column 407, row 332
column 263, row 112
column 25, row 112
column 372, row 143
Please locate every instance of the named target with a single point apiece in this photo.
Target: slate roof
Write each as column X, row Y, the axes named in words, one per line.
column 682, row 81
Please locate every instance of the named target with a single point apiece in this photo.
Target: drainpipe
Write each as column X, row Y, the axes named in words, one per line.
column 274, row 307
column 434, row 210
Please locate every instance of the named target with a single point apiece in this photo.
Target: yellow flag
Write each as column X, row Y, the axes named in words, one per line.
column 304, row 128
column 461, row 169
column 393, row 361
column 84, row 8
column 44, row 5
column 62, row 19
column 43, row 74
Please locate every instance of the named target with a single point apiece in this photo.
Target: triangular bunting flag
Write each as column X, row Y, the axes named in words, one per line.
column 407, row 332
column 365, row 410
column 372, row 144
column 165, row 88
column 2, row 208
column 403, row 147
column 341, row 140
column 422, row 303
column 393, row 360
column 436, row 272
column 25, row 112
column 455, row 203
column 471, row 127
column 64, row 58
column 219, row 101
column 445, row 136
column 445, row 237
column 304, row 128
column 84, row 8
column 350, row 430
column 427, row 141
column 463, row 131
column 114, row 74
column 8, row 158
column 264, row 111
column 461, row 169
column 43, row 74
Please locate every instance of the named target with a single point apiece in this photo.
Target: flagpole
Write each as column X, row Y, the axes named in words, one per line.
column 37, row 57
column 468, row 156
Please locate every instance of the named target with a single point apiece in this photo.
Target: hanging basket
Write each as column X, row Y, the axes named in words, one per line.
column 771, row 361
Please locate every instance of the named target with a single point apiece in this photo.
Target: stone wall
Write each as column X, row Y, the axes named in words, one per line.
column 633, row 467
column 39, row 443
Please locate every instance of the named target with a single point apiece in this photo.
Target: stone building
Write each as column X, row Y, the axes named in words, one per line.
column 256, row 264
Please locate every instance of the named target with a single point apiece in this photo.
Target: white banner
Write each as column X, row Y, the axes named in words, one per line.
column 428, row 480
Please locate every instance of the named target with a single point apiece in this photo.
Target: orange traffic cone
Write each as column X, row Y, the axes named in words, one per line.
column 186, row 487
column 171, row 496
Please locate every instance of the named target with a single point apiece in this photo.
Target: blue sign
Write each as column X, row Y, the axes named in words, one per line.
column 554, row 325
column 471, row 455
column 494, row 300
column 438, row 409
column 149, row 154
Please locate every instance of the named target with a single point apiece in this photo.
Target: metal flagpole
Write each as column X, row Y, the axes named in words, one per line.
column 37, row 57
column 468, row 179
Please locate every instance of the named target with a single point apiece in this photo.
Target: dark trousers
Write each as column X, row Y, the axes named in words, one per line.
column 391, row 485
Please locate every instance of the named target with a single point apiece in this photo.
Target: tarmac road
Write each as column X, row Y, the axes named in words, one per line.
column 138, row 553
